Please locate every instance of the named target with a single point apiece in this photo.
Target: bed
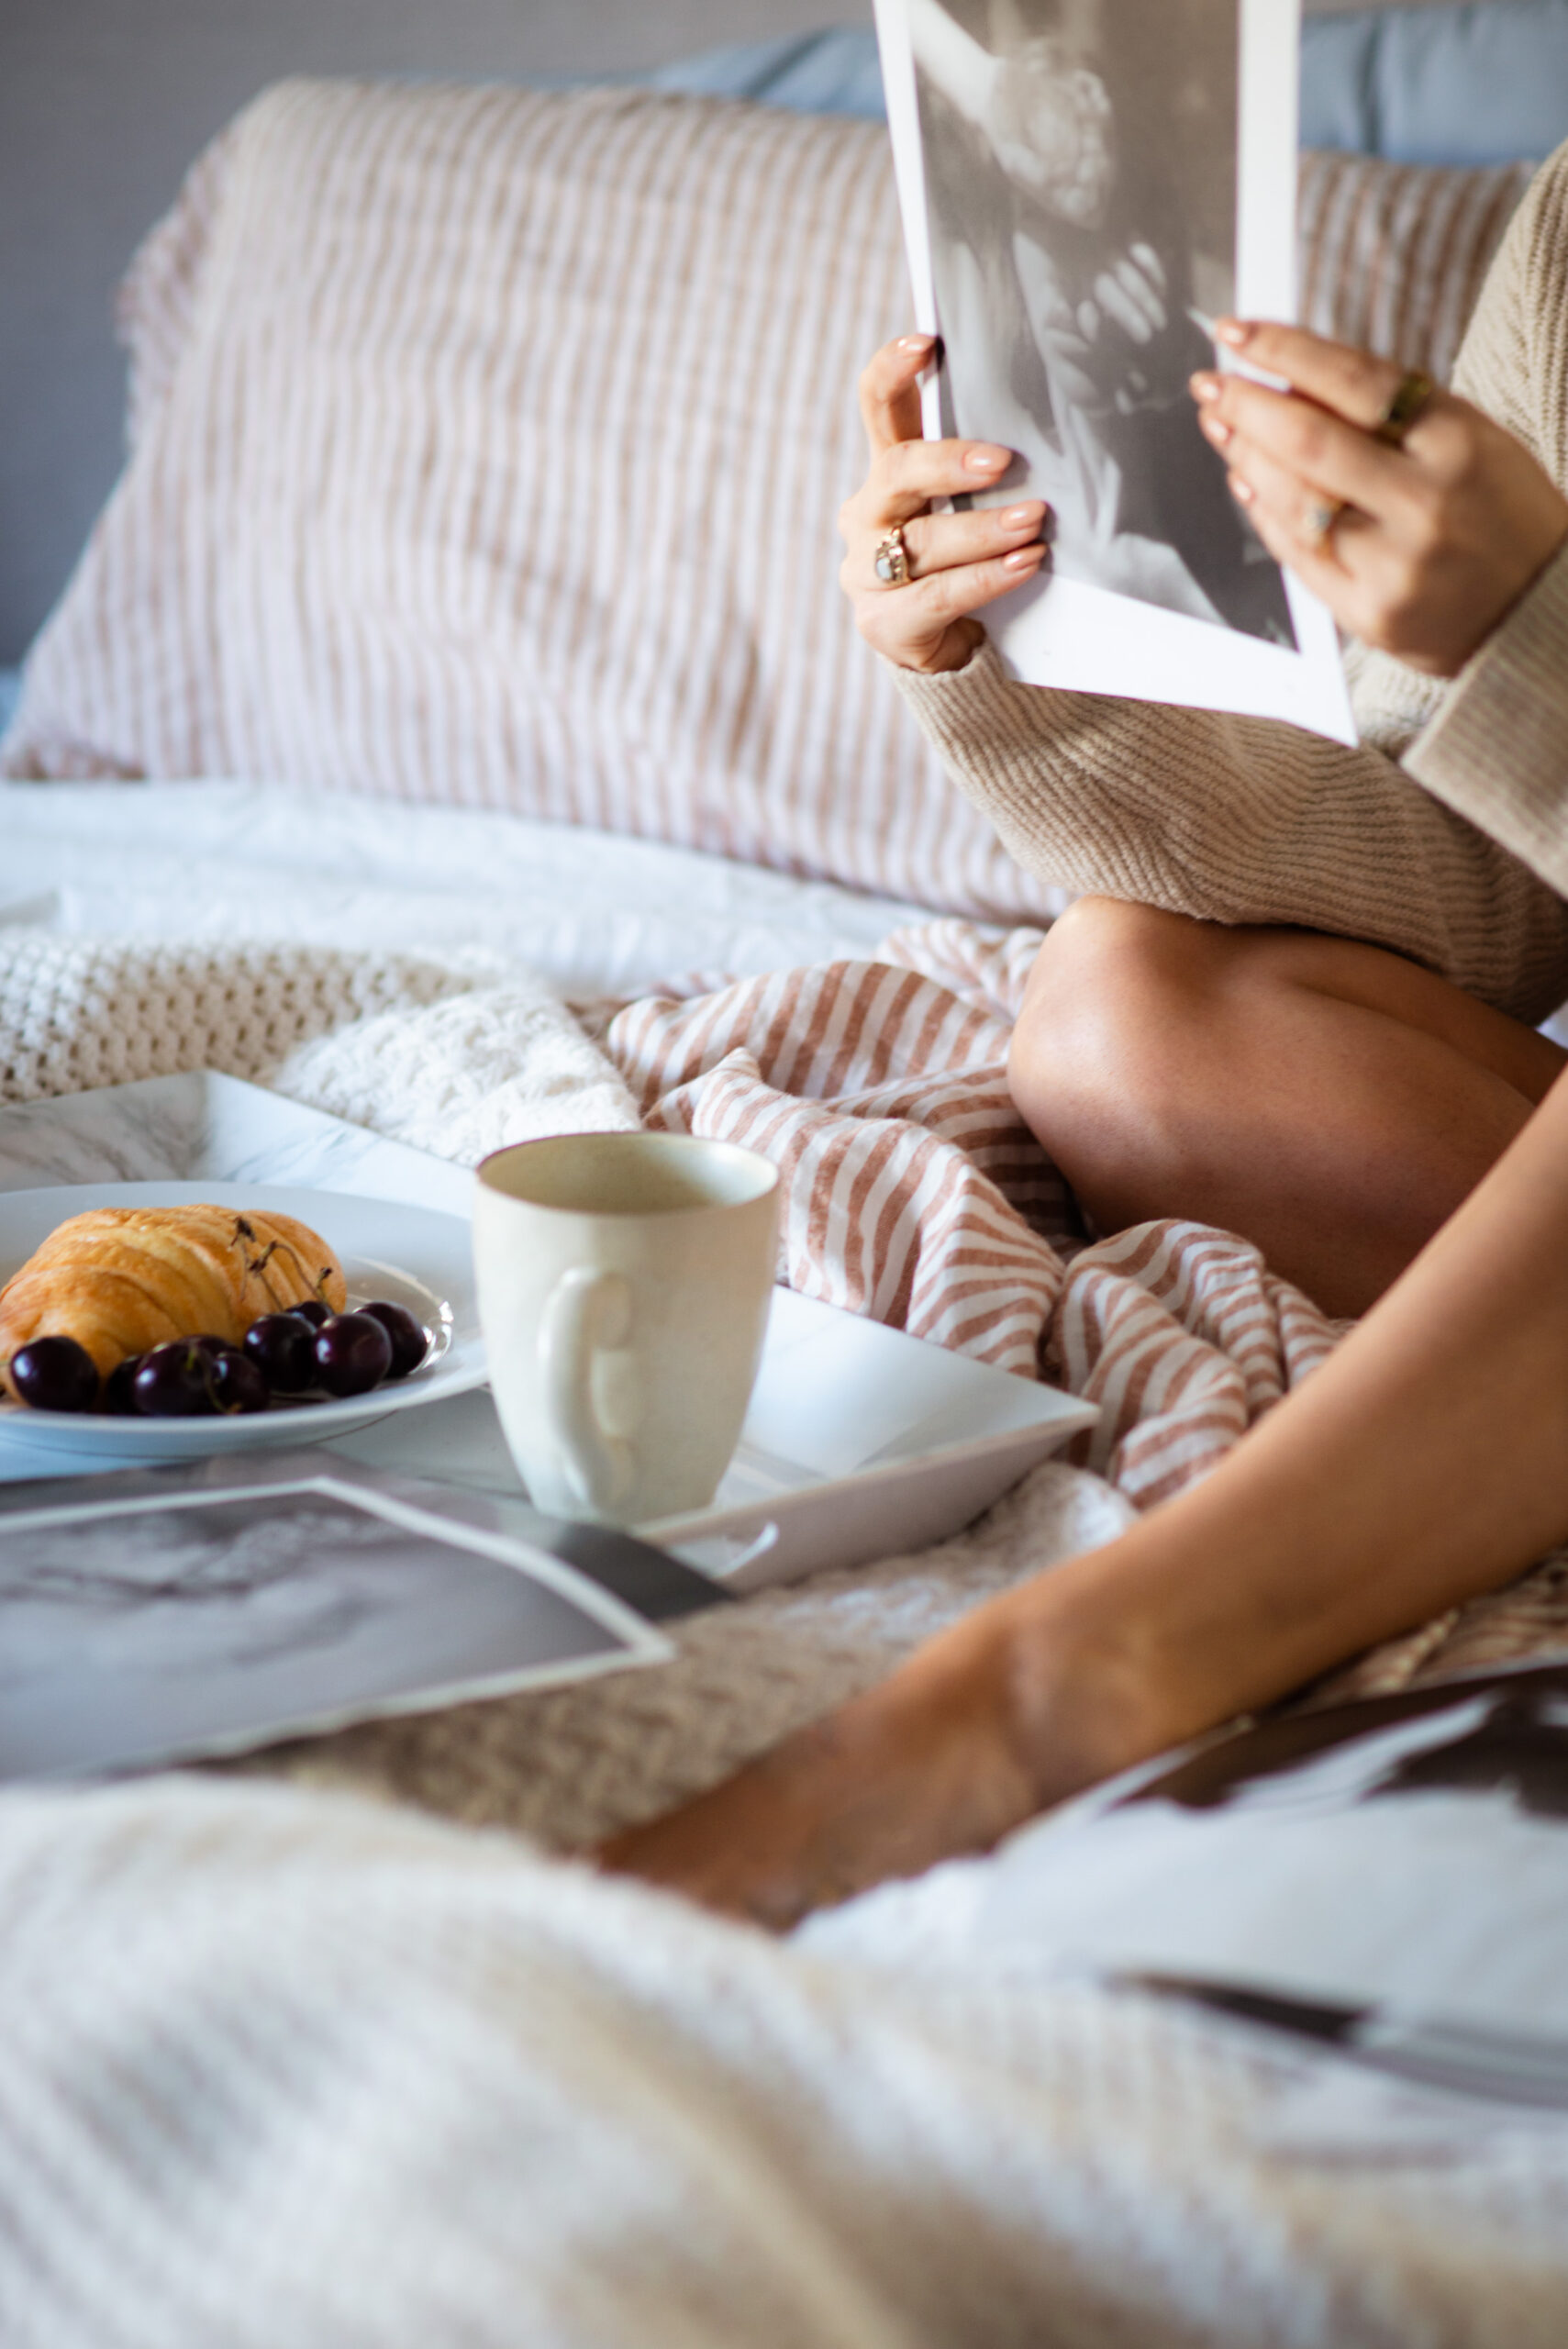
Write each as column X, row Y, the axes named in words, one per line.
column 394, row 642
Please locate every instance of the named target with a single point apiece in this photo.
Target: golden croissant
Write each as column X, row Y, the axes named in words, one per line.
column 119, row 1280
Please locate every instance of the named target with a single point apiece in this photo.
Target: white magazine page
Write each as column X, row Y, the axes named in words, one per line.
column 1408, row 1854
column 159, row 1616
column 1085, row 184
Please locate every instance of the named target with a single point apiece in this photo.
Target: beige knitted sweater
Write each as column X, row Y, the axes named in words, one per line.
column 1444, row 835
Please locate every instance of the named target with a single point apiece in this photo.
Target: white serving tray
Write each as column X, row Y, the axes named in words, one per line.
column 860, row 1442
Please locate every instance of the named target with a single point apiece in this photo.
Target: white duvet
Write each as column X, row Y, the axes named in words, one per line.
column 597, row 913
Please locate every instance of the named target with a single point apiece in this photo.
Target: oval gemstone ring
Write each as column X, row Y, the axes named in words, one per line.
column 891, row 562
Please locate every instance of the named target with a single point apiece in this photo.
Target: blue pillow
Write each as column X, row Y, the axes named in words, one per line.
column 832, row 72
column 1486, row 84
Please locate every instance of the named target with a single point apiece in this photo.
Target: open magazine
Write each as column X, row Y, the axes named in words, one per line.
column 1386, row 1880
column 1085, row 185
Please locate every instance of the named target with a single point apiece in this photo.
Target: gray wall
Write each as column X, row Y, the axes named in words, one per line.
column 103, row 103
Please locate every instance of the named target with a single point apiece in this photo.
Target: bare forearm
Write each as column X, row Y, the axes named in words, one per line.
column 1425, row 1461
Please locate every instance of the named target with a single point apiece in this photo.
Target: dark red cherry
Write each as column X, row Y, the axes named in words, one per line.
column 174, row 1380
column 283, row 1347
column 119, row 1399
column 55, row 1375
column 236, row 1383
column 410, row 1343
column 315, row 1312
column 353, row 1354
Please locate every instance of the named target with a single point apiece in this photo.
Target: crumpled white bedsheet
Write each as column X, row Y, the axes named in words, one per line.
column 597, row 913
column 278, row 2071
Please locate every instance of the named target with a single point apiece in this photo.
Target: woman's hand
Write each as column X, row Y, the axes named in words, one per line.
column 1021, row 1703
column 1419, row 549
column 957, row 562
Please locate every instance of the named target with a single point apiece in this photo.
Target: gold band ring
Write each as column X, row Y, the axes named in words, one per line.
column 1411, row 395
column 891, row 562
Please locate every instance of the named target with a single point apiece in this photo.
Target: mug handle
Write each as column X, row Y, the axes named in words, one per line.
column 586, row 1312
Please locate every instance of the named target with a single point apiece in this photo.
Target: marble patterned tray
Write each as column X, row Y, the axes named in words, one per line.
column 183, row 1129
column 860, row 1441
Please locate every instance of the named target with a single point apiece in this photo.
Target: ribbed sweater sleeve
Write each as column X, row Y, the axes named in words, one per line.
column 1453, row 857
column 1496, row 749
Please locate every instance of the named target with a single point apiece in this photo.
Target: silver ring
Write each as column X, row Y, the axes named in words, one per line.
column 891, row 561
column 1317, row 522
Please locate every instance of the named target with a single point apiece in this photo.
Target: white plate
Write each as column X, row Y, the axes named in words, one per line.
column 413, row 1256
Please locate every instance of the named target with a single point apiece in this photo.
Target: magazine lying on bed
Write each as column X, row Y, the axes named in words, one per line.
column 1085, row 185
column 1384, row 1880
column 157, row 1615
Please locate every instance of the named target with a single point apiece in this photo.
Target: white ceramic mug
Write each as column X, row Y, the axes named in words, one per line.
column 624, row 1282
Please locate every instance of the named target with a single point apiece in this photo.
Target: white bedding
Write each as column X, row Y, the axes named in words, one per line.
column 598, row 914
column 282, row 2075
column 538, row 2107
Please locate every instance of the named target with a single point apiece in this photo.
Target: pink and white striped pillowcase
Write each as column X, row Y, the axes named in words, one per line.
column 1393, row 255
column 914, row 1195
column 487, row 446
column 488, row 449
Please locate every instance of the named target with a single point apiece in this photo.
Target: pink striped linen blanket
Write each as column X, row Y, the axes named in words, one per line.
column 914, row 1193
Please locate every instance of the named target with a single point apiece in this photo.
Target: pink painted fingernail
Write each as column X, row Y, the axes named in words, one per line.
column 987, row 460
column 1204, row 388
column 1018, row 517
column 1232, row 331
column 1242, row 491
column 1023, row 557
column 916, row 341
column 1214, row 428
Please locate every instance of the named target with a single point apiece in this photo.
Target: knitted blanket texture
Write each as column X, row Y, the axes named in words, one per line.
column 285, row 2067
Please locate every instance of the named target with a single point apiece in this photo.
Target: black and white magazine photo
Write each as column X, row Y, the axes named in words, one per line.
column 1078, row 178
column 1082, row 160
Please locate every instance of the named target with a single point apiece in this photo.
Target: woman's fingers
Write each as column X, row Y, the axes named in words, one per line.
column 947, row 542
column 1353, row 383
column 905, row 477
column 890, row 390
column 1295, row 521
column 957, row 562
column 929, row 625
column 1247, row 422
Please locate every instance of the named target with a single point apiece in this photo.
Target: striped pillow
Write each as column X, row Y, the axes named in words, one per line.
column 487, row 451
column 1393, row 255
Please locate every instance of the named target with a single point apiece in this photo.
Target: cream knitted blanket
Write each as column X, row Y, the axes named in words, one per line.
column 456, row 1054
column 278, row 2073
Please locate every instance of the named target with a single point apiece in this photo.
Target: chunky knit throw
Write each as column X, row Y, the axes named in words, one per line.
column 455, row 1055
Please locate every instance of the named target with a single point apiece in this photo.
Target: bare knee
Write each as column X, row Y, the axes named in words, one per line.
column 1109, row 980
column 1104, row 1065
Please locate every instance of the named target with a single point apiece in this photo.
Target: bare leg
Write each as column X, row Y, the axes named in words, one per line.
column 1425, row 1461
column 1331, row 1102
